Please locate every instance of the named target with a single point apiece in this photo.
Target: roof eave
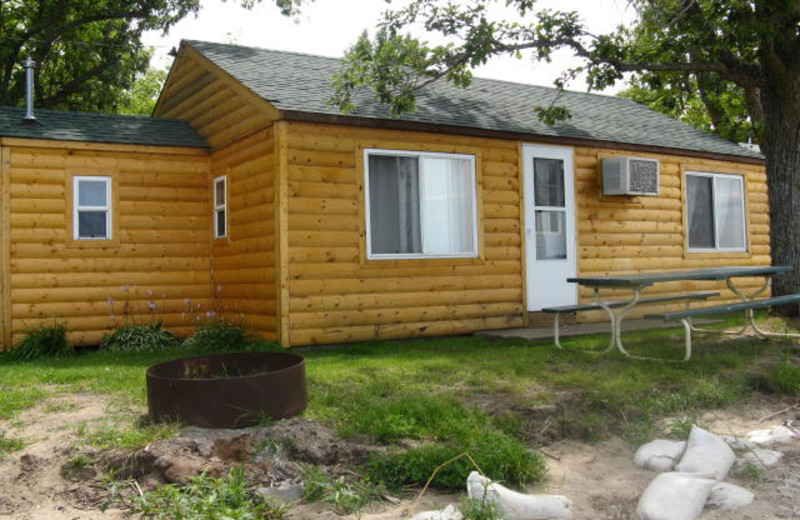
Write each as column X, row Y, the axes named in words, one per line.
column 395, row 124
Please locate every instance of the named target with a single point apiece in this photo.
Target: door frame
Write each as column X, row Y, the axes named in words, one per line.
column 527, row 153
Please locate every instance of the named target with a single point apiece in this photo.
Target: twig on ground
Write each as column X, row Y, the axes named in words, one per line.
column 779, row 412
column 138, row 489
column 547, row 454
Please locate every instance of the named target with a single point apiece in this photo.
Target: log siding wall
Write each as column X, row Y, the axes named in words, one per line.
column 156, row 267
column 630, row 234
column 221, row 110
column 243, row 263
column 335, row 295
column 293, row 266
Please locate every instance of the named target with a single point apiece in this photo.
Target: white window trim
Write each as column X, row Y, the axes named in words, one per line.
column 221, row 207
column 77, row 208
column 718, row 249
column 407, row 256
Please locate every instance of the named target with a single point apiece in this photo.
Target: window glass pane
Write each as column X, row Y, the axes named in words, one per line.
column 548, row 182
column 448, row 207
column 394, row 213
column 699, row 198
column 92, row 193
column 219, row 192
column 92, row 224
column 551, row 236
column 221, row 223
column 728, row 199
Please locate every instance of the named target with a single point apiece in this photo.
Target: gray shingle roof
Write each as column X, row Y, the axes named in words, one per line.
column 301, row 83
column 99, row 128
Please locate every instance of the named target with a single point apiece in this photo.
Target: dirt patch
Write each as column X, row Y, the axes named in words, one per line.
column 31, row 480
column 600, row 478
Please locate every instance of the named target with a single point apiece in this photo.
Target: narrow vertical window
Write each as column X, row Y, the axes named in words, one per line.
column 220, row 207
column 92, row 202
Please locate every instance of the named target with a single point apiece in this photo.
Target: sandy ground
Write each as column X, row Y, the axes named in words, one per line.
column 599, row 478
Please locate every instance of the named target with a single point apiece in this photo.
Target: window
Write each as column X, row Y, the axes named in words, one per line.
column 716, row 213
column 92, row 216
column 220, row 207
column 420, row 205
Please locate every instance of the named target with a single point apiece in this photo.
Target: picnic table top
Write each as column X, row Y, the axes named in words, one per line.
column 711, row 273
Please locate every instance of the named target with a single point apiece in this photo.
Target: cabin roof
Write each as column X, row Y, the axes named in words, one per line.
column 300, row 83
column 99, row 128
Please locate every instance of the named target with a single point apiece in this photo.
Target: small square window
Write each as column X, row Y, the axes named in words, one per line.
column 220, row 207
column 92, row 210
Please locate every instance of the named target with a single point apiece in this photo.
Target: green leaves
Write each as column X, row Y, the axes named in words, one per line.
column 88, row 52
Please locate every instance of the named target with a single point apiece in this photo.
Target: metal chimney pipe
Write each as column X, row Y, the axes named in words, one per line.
column 29, row 65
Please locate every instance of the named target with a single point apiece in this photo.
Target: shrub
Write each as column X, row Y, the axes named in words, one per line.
column 499, row 456
column 45, row 340
column 138, row 338
column 218, row 336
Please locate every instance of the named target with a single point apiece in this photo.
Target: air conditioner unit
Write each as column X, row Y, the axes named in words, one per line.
column 630, row 176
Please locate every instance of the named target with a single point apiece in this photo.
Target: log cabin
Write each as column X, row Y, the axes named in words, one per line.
column 247, row 195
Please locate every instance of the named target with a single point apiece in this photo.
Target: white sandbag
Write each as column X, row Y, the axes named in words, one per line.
column 762, row 457
column 776, row 435
column 675, row 496
column 729, row 497
column 738, row 443
column 519, row 506
column 450, row 512
column 659, row 455
column 706, row 453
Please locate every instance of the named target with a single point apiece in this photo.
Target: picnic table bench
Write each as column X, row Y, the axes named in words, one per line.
column 573, row 309
column 638, row 282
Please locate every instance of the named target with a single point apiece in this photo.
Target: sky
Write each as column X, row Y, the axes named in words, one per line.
column 330, row 27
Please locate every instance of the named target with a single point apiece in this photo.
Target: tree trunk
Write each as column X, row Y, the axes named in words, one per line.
column 780, row 100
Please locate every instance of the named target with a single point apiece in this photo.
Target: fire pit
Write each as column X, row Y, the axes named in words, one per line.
column 227, row 390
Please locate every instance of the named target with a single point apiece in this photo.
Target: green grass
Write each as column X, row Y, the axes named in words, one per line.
column 448, row 396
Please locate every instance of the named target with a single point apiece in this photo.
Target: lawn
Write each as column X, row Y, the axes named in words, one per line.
column 455, row 394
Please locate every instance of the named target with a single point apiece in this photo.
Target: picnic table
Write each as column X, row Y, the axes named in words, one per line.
column 636, row 283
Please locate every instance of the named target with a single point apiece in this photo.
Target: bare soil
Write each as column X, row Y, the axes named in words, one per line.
column 599, row 478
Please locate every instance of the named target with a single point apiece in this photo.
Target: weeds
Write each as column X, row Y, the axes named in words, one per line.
column 60, row 407
column 73, row 466
column 482, row 509
column 206, row 498
column 750, row 471
column 133, row 337
column 44, row 340
column 9, row 444
column 785, row 378
column 346, row 496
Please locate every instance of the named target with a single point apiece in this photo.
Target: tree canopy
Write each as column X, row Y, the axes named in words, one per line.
column 719, row 106
column 87, row 51
column 720, row 54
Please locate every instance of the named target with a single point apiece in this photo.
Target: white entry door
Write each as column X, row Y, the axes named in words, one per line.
column 549, row 226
